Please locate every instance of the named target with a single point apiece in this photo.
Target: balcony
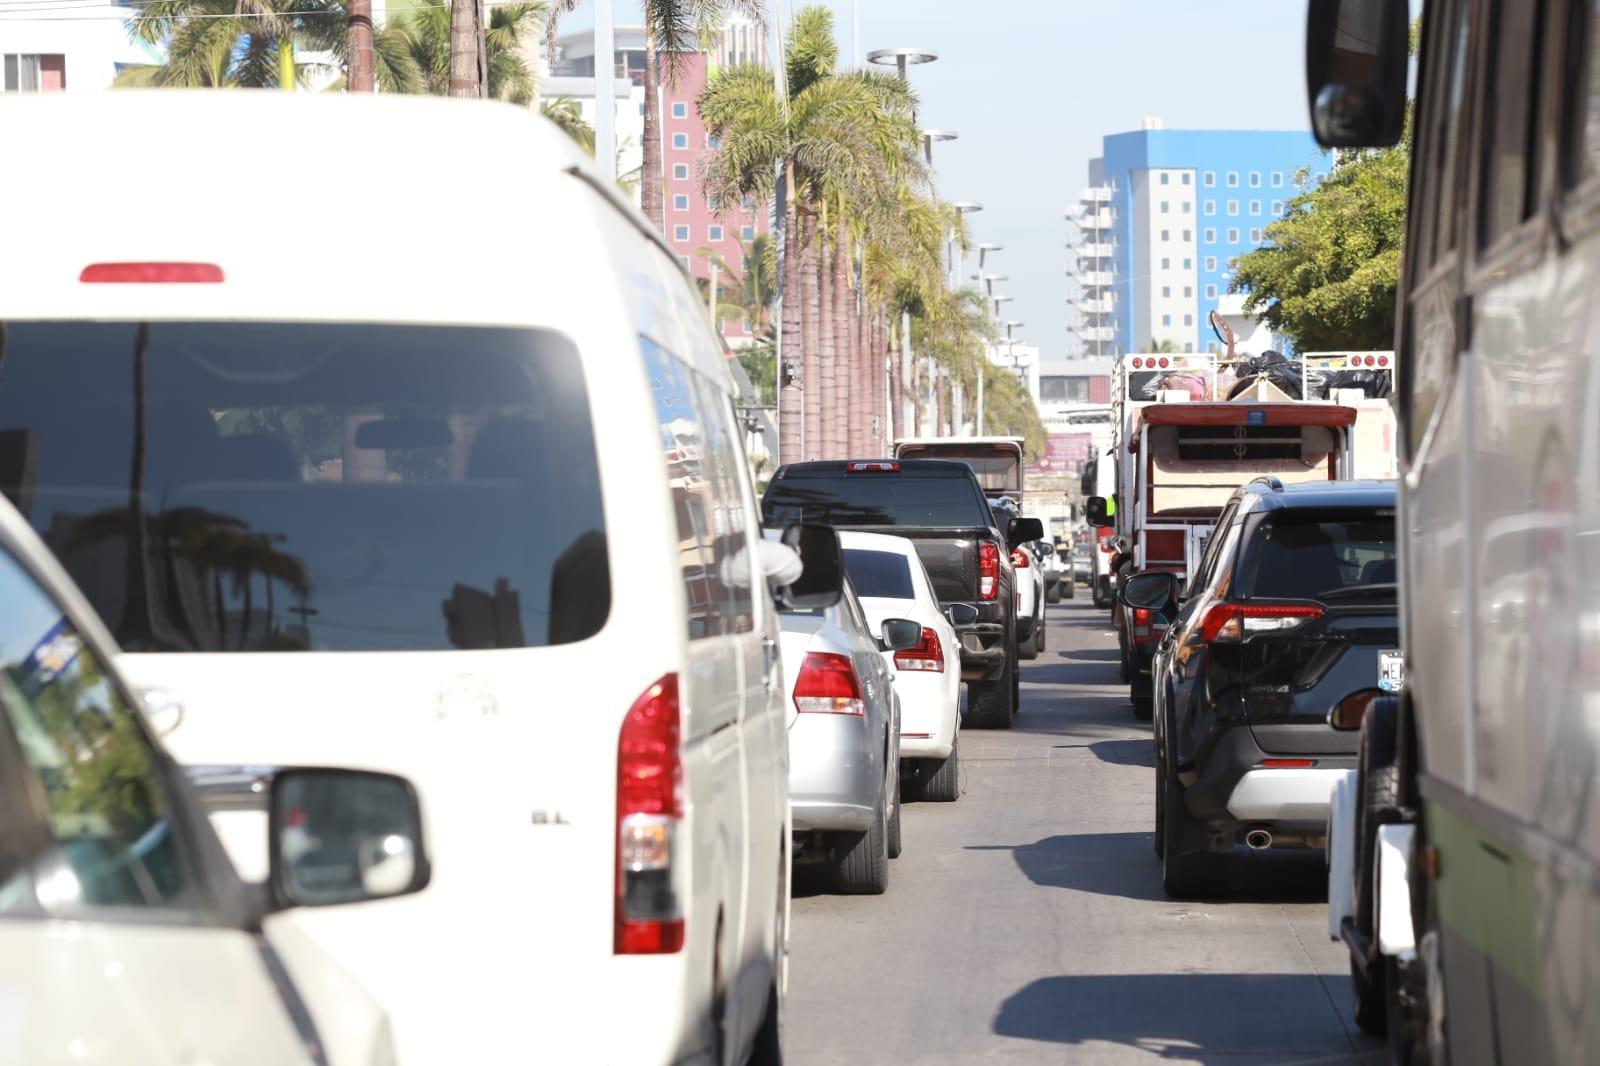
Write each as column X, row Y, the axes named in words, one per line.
column 1092, row 278
column 1096, row 333
column 1093, row 306
column 1095, row 220
column 1094, row 250
column 1096, row 194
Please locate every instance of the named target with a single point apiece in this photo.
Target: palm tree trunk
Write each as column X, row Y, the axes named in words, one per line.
column 828, row 351
column 650, row 194
column 862, row 380
column 847, row 377
column 791, row 393
column 358, row 33
column 464, row 65
column 897, row 399
column 286, row 63
column 874, row 343
column 808, row 329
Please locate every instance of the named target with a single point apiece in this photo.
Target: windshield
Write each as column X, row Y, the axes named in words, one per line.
column 875, row 500
column 222, row 486
column 999, row 467
column 1322, row 556
column 879, row 574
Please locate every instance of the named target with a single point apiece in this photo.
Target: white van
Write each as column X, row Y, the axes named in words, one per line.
column 362, row 495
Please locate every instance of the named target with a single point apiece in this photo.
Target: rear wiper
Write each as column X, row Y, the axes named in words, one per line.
column 1354, row 591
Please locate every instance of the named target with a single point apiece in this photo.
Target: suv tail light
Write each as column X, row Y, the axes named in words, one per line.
column 151, row 274
column 925, row 654
column 649, row 912
column 1229, row 623
column 1147, row 625
column 1019, row 558
column 828, row 685
column 988, row 570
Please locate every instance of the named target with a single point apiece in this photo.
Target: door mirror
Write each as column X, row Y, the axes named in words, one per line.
column 1097, row 511
column 344, row 836
column 901, row 633
column 1348, row 712
column 1357, row 53
column 1046, row 549
column 1021, row 530
column 821, row 580
column 961, row 614
column 1153, row 590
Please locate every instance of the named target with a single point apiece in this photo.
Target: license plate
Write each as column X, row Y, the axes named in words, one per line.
column 1391, row 671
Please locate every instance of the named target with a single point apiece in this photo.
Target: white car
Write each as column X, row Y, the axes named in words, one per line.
column 892, row 583
column 1030, row 602
column 463, row 503
column 127, row 938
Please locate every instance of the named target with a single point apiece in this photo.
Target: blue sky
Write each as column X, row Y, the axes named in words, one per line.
column 1032, row 85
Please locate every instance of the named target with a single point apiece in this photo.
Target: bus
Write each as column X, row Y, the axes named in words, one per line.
column 1465, row 875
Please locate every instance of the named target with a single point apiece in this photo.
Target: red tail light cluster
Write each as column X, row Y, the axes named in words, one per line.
column 1229, row 623
column 872, row 468
column 1147, row 625
column 1019, row 558
column 151, row 274
column 1151, row 362
column 988, row 570
column 925, row 654
column 649, row 914
column 828, row 685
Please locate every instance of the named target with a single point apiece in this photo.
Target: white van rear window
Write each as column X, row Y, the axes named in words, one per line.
column 303, row 487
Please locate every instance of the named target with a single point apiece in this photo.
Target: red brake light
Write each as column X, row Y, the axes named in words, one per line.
column 1163, row 362
column 872, row 468
column 828, row 685
column 925, row 654
column 1229, row 623
column 1019, row 558
column 151, row 274
column 1138, row 364
column 1383, row 360
column 649, row 916
column 988, row 570
column 1287, row 764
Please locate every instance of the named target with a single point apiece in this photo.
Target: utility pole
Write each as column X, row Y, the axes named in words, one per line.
column 358, row 36
column 466, row 58
column 605, row 89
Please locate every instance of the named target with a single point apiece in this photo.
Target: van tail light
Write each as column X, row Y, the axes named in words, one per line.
column 925, row 654
column 151, row 274
column 1019, row 559
column 828, row 685
column 1229, row 623
column 649, row 910
column 988, row 570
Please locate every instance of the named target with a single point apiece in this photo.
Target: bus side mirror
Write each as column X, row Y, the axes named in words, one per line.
column 1357, row 53
column 1096, row 512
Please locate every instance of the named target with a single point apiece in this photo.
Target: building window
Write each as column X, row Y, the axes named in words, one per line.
column 1165, row 206
column 1166, row 264
column 26, row 73
column 1188, row 320
column 1211, row 207
column 1211, row 292
column 713, row 142
column 1233, row 207
column 715, row 234
column 1211, row 236
column 1166, row 235
column 680, row 202
column 747, row 232
column 1255, row 207
column 1277, row 179
column 1233, row 236
column 1255, row 236
column 1188, row 264
column 1188, row 292
column 1166, row 320
column 1188, row 235
column 1277, row 209
column 1164, row 177
column 1186, row 177
column 1166, row 292
column 680, row 171
column 680, row 110
column 681, row 233
column 1211, row 264
column 680, row 140
column 1233, row 179
column 1210, row 180
column 641, row 110
column 1255, row 179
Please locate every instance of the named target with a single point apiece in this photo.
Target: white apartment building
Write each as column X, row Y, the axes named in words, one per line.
column 1089, row 244
column 67, row 48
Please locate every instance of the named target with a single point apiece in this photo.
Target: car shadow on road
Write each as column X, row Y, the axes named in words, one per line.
column 1125, row 865
column 1187, row 1017
column 1131, row 751
column 1090, row 655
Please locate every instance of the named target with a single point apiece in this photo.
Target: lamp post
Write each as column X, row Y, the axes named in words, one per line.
column 984, row 250
column 928, row 139
column 960, row 207
column 901, row 58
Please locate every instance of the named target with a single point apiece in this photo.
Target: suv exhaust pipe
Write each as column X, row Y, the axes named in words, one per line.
column 1258, row 839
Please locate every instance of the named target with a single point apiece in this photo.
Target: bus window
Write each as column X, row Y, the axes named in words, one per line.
column 1512, row 102
column 1447, row 120
column 1583, row 103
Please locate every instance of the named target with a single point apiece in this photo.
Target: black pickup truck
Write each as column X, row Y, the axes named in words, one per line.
column 940, row 507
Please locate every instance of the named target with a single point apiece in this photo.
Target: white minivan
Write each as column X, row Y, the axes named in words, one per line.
column 364, row 494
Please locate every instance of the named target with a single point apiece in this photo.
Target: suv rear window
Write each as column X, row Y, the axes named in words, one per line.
column 236, row 486
column 881, row 574
column 875, row 500
column 1319, row 555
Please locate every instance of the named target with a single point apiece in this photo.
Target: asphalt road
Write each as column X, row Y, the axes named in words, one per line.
column 1027, row 924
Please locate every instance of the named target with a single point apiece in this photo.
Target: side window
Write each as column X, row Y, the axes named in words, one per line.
column 1583, row 92
column 1511, row 104
column 1448, row 94
column 1208, row 562
column 853, row 606
column 730, row 532
column 107, row 808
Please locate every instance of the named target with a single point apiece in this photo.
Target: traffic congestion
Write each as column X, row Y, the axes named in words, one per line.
column 525, row 637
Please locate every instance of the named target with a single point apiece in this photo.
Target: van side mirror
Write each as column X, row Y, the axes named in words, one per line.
column 961, row 614
column 821, row 580
column 343, row 836
column 900, row 634
column 1021, row 530
column 1097, row 512
column 1153, row 590
column 1357, row 54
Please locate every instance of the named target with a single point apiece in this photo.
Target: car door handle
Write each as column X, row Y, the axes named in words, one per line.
column 769, row 662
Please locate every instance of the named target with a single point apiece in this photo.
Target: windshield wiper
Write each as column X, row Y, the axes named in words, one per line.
column 1386, row 589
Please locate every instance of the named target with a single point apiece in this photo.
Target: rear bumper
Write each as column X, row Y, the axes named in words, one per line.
column 1232, row 789
column 983, row 651
column 1284, row 795
column 835, row 772
column 929, row 706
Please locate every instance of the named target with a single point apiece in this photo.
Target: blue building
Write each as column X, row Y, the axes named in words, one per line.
column 1165, row 214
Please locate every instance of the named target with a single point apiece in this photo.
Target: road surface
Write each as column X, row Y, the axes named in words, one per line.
column 1026, row 923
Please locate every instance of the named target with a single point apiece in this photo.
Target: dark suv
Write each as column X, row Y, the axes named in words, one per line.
column 1285, row 620
column 940, row 507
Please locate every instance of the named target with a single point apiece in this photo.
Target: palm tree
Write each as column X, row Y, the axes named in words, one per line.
column 566, row 114
column 511, row 27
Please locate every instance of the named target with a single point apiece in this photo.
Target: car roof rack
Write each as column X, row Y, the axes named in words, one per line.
column 1270, row 481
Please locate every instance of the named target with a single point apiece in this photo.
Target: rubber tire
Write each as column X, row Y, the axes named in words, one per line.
column 1372, row 997
column 1377, row 803
column 993, row 704
column 1186, row 875
column 1028, row 650
column 943, row 785
column 861, row 860
column 1072, row 586
column 1125, row 661
column 1052, row 593
column 894, row 844
column 1038, row 639
column 1144, row 708
column 1101, row 594
column 768, row 1047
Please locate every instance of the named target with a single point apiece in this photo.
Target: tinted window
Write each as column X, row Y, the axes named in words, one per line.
column 109, row 815
column 875, row 500
column 879, row 574
column 1444, row 138
column 1511, row 104
column 998, row 468
column 311, row 487
column 1307, row 556
column 1584, row 107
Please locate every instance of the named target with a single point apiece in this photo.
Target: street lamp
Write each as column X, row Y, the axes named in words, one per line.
column 997, row 301
column 985, row 249
column 960, row 207
column 929, row 136
column 901, row 58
